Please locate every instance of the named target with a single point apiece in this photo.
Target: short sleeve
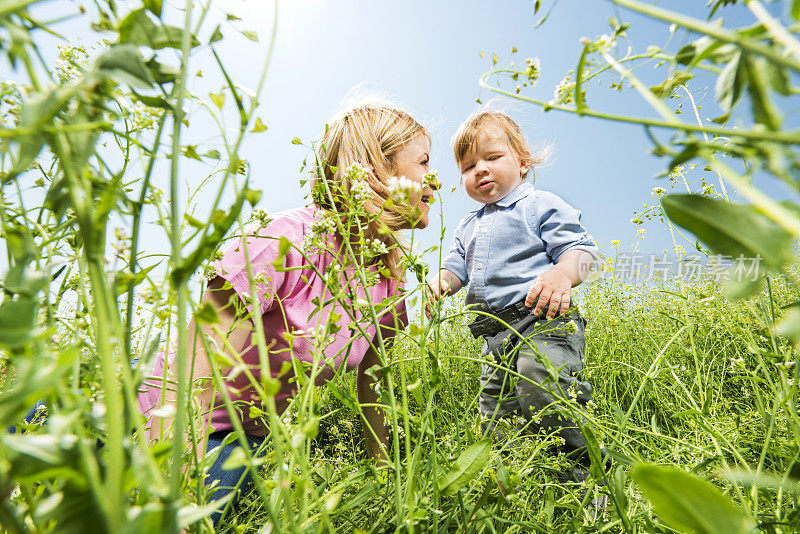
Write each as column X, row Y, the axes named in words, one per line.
column 455, row 261
column 559, row 226
column 262, row 247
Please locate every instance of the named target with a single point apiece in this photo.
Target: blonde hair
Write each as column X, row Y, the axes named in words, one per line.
column 371, row 135
column 467, row 135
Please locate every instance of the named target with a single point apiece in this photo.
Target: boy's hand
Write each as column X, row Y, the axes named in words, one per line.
column 554, row 287
column 434, row 294
column 443, row 285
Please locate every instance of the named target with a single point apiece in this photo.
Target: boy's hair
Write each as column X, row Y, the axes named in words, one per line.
column 370, row 134
column 467, row 135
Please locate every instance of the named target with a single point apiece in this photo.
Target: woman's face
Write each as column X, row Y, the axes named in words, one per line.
column 413, row 163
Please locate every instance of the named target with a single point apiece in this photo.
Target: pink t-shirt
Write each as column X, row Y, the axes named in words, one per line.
column 288, row 299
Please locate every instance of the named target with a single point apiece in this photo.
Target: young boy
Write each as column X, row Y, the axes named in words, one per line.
column 520, row 255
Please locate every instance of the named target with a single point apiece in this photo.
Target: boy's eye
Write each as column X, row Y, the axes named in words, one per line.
column 467, row 168
column 494, row 157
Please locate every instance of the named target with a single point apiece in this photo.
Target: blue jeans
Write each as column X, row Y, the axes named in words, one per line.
column 37, row 415
column 238, row 479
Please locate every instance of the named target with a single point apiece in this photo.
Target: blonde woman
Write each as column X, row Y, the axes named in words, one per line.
column 345, row 254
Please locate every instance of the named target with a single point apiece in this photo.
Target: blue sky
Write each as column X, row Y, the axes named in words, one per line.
column 425, row 56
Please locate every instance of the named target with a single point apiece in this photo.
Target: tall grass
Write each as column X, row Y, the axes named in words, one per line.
column 682, row 375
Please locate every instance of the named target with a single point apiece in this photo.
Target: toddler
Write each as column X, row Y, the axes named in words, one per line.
column 520, row 254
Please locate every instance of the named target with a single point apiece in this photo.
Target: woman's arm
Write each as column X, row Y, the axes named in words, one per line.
column 235, row 330
column 365, row 386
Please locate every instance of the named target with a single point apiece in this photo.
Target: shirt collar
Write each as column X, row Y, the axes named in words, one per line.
column 516, row 194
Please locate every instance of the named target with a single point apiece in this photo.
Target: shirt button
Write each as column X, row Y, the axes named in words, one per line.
column 479, row 266
column 484, row 229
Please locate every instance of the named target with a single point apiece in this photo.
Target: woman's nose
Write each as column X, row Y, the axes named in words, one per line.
column 436, row 184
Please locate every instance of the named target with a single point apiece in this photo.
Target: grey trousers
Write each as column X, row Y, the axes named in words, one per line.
column 559, row 345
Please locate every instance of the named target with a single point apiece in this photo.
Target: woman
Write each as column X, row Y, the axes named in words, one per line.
column 321, row 304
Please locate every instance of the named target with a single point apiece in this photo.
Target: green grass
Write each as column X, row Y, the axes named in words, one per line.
column 706, row 407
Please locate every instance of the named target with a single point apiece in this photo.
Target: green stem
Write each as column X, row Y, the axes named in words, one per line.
column 179, row 285
column 774, row 136
column 137, row 218
column 711, row 30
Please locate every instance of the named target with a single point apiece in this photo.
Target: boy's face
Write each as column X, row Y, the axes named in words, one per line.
column 491, row 169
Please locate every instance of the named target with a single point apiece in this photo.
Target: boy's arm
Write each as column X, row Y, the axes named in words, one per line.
column 555, row 285
column 446, row 284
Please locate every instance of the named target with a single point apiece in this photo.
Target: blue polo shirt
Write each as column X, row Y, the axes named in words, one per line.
column 500, row 248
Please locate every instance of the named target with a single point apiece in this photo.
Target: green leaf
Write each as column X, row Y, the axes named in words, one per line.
column 259, row 126
column 789, row 326
column 138, row 29
column 597, row 466
column 688, row 503
column 152, row 101
column 795, row 9
column 236, row 460
column 12, row 6
column 191, row 221
column 212, row 154
column 730, row 82
column 218, row 98
column 206, row 313
column 253, row 196
column 216, row 35
column 23, row 281
column 154, row 6
column 190, row 151
column 297, row 141
column 764, row 111
column 18, row 320
column 467, row 467
column 123, row 63
column 125, row 280
column 253, row 36
column 778, row 78
column 284, row 245
column 730, row 229
column 677, row 79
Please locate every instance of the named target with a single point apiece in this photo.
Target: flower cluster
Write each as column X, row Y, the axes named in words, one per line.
column 431, row 179
column 324, row 225
column 261, row 216
column 360, row 191
column 71, row 60
column 533, row 70
column 403, row 187
column 601, row 44
column 375, row 247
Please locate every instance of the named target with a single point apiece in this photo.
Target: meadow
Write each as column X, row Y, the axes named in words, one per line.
column 695, row 377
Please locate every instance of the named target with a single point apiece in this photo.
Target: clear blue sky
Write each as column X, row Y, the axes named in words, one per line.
column 425, row 55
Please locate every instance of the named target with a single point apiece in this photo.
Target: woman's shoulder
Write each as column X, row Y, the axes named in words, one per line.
column 290, row 223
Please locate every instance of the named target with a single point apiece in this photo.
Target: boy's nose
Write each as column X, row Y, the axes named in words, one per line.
column 481, row 167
